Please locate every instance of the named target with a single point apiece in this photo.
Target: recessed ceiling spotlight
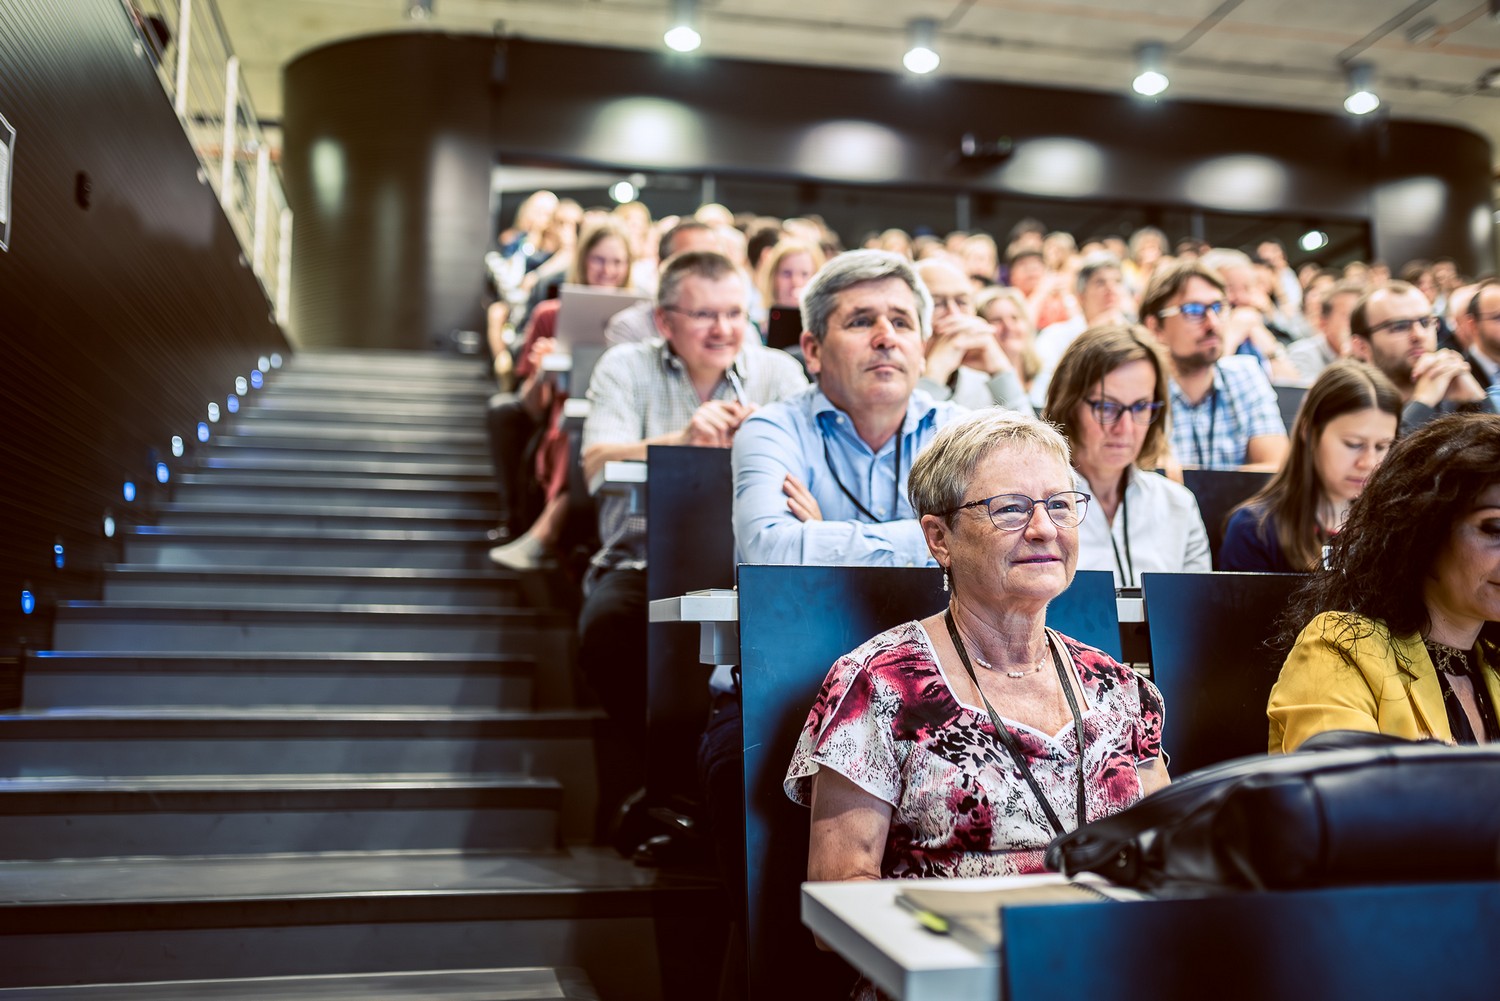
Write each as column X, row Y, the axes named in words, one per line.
column 921, row 54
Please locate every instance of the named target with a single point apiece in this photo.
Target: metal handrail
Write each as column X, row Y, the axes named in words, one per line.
column 201, row 75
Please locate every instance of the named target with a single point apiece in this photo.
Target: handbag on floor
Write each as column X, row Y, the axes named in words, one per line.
column 1346, row 809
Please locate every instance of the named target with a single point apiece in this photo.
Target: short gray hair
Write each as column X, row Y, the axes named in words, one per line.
column 855, row 267
column 1091, row 265
column 940, row 476
column 706, row 264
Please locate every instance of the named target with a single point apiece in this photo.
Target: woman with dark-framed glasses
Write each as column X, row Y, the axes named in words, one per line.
column 962, row 744
column 1109, row 397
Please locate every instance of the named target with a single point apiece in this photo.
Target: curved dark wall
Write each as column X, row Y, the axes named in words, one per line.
column 387, row 162
column 126, row 307
column 1423, row 188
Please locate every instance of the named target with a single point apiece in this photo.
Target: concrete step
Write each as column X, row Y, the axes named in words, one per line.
column 412, row 365
column 80, row 817
column 429, row 416
column 368, row 388
column 156, row 741
column 259, row 487
column 134, row 920
column 492, row 588
column 207, row 547
column 71, row 679
column 314, row 468
column 264, row 627
column 539, row 983
column 265, row 447
column 264, row 517
column 270, row 431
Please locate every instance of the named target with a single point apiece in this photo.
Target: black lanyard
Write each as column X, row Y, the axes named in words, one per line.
column 895, row 487
column 1009, row 740
column 1128, row 576
column 1213, row 416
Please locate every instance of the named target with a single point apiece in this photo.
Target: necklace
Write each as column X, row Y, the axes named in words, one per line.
column 1011, row 674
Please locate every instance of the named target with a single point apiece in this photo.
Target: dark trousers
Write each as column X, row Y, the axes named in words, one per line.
column 612, row 656
column 512, row 435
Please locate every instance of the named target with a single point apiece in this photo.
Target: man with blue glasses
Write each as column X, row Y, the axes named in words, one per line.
column 1224, row 413
column 1394, row 329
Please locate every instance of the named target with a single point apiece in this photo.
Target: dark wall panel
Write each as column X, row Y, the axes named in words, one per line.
column 387, row 161
column 385, row 111
column 125, row 306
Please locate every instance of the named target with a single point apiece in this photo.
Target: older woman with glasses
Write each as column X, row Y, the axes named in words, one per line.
column 962, row 744
column 1109, row 397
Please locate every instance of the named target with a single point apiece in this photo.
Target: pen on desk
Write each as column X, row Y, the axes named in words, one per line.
column 933, row 922
column 737, row 385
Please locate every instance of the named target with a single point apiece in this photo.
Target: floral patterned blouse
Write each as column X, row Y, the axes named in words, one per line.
column 888, row 720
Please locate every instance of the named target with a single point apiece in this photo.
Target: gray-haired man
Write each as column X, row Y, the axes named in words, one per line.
column 821, row 476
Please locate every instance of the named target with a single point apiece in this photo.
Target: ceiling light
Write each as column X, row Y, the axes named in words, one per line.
column 622, row 192
column 682, row 36
column 418, row 10
column 1149, row 80
column 920, row 56
column 1313, row 239
column 1361, row 99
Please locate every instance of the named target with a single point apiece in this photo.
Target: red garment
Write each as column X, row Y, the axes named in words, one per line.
column 551, row 470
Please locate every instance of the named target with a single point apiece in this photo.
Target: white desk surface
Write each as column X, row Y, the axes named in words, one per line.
column 618, row 477
column 713, row 605
column 862, row 922
column 576, row 409
column 725, row 604
column 557, row 362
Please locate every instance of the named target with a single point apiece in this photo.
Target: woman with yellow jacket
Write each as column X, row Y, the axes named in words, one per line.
column 1402, row 632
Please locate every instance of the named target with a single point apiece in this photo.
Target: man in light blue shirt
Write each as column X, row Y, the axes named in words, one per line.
column 820, row 478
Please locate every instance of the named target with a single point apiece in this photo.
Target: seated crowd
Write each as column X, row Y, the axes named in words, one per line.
column 935, row 397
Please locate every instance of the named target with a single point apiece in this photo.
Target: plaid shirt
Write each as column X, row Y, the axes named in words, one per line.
column 642, row 390
column 1215, row 433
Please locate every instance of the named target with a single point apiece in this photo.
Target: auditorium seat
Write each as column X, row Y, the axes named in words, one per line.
column 1214, row 657
column 1218, row 492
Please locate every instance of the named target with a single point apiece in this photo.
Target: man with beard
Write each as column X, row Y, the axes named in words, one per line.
column 1224, row 413
column 1394, row 329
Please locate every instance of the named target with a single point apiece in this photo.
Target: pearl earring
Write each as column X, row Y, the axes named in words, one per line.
column 945, row 578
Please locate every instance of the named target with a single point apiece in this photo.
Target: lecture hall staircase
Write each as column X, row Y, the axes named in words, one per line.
column 311, row 744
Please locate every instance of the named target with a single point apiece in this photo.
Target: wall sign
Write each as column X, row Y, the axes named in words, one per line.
column 7, row 156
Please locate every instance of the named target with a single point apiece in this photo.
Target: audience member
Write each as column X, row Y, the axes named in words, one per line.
column 1393, row 328
column 1313, row 354
column 635, row 324
column 1288, row 289
column 535, row 492
column 1345, row 426
column 1148, row 245
column 1045, row 292
column 694, row 385
column 785, row 272
column 820, row 477
column 1109, row 397
column 1102, row 300
column 905, row 776
column 981, row 260
column 1252, row 324
column 1005, row 310
column 1224, row 412
column 1484, row 350
column 1459, row 334
column 1401, row 635
column 965, row 362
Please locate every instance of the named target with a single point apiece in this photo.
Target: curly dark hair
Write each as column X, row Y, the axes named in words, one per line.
column 1380, row 561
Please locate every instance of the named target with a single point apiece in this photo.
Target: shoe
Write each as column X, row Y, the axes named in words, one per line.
column 526, row 553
